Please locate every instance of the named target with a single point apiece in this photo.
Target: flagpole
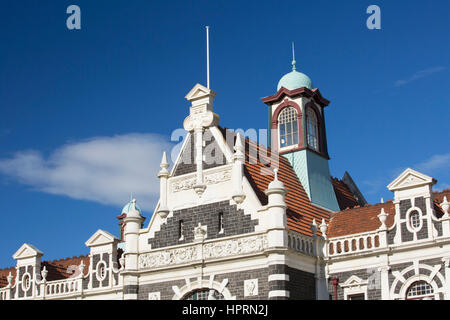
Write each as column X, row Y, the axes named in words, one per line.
column 207, row 56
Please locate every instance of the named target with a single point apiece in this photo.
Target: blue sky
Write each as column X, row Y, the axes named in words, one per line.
column 85, row 115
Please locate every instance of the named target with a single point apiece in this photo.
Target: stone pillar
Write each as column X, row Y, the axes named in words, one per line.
column 238, row 170
column 133, row 222
column 384, row 282
column 446, row 261
column 277, row 233
column 163, row 175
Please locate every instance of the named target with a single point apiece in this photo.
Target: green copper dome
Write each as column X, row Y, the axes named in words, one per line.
column 128, row 207
column 294, row 80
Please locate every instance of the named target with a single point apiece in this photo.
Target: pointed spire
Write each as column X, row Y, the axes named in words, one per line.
column 164, row 162
column 164, row 165
column 293, row 57
column 382, row 200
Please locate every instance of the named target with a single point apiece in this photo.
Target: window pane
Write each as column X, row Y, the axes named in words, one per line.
column 282, row 129
column 288, row 127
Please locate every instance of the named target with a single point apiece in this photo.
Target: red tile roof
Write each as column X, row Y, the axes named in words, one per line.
column 57, row 269
column 365, row 219
column 345, row 198
column 360, row 219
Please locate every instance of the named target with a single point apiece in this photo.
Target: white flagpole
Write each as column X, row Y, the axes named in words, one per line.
column 207, row 56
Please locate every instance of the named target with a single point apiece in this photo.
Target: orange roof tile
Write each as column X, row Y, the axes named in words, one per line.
column 365, row 219
column 345, row 198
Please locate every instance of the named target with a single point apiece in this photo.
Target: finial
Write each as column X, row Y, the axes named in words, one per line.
column 10, row 279
column 445, row 205
column 44, row 273
column 164, row 162
column 323, row 228
column 382, row 217
column 382, row 200
column 275, row 171
column 293, row 57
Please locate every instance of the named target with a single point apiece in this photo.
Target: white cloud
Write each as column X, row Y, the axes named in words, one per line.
column 100, row 169
column 435, row 163
column 418, row 75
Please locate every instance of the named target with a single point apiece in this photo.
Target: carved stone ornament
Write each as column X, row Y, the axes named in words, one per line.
column 169, row 257
column 200, row 232
column 209, row 179
column 234, row 247
column 212, row 250
column 250, row 287
column 154, row 296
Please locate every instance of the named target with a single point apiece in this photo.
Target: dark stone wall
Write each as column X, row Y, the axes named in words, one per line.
column 301, row 285
column 234, row 222
column 391, row 235
column 213, row 156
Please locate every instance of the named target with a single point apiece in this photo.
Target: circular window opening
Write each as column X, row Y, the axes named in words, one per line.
column 420, row 290
column 26, row 282
column 101, row 271
column 414, row 220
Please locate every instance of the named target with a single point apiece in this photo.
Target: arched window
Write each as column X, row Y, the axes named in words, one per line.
column 288, row 125
column 420, row 290
column 312, row 129
column 204, row 294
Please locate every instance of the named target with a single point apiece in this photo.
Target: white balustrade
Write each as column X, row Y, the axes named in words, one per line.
column 59, row 287
column 353, row 244
column 300, row 243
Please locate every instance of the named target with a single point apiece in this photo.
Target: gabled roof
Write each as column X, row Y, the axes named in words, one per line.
column 101, row 237
column 410, row 178
column 26, row 251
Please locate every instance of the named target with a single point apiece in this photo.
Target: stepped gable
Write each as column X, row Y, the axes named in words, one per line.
column 300, row 211
column 345, row 198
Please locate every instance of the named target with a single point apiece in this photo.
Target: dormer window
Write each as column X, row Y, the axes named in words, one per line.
column 312, row 130
column 288, row 126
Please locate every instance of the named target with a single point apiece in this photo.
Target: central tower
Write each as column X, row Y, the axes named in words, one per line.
column 297, row 132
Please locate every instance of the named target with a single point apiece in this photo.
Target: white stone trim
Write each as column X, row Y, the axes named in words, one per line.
column 221, row 287
column 278, row 277
column 353, row 286
column 279, row 293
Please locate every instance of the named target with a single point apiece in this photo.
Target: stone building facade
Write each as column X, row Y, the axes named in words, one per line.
column 237, row 220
